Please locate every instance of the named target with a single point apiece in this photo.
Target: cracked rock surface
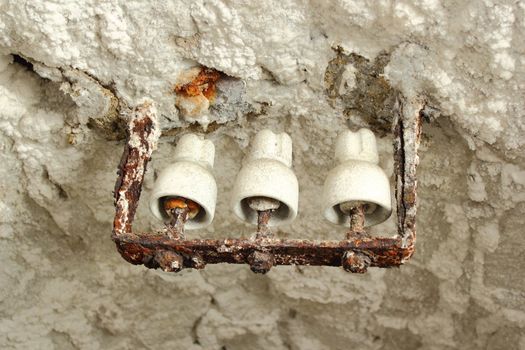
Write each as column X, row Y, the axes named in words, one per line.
column 69, row 70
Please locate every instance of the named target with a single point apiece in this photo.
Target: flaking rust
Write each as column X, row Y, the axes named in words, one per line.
column 382, row 252
column 195, row 96
column 407, row 136
column 355, row 253
column 203, row 83
column 143, row 133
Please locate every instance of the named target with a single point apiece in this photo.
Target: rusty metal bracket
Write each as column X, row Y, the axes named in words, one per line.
column 355, row 253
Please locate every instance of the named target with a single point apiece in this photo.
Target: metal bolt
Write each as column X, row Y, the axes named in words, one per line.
column 352, row 261
column 264, row 207
column 261, row 262
column 179, row 210
column 355, row 262
column 198, row 262
column 356, row 210
column 169, row 261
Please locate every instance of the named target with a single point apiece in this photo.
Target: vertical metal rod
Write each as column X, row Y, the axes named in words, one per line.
column 143, row 134
column 261, row 261
column 179, row 216
column 357, row 219
column 352, row 261
column 263, row 217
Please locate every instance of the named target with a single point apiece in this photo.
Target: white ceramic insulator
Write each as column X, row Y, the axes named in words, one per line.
column 267, row 173
column 189, row 176
column 357, row 177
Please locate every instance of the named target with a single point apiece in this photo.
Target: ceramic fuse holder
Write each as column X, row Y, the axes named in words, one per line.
column 357, row 179
column 267, row 173
column 189, row 177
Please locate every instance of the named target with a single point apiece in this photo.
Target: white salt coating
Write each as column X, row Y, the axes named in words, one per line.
column 65, row 286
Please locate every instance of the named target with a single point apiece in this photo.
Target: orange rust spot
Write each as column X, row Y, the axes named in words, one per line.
column 203, row 83
column 178, row 202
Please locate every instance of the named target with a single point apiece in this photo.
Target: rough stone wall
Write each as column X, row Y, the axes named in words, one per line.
column 68, row 69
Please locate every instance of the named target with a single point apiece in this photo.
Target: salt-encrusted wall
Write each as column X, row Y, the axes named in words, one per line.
column 310, row 68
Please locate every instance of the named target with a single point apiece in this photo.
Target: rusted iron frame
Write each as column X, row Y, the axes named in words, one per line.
column 355, row 253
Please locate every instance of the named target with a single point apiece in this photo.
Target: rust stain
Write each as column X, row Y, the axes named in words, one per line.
column 204, row 83
column 128, row 186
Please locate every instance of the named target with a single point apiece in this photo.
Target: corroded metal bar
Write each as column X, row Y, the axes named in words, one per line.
column 382, row 252
column 407, row 136
column 143, row 133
